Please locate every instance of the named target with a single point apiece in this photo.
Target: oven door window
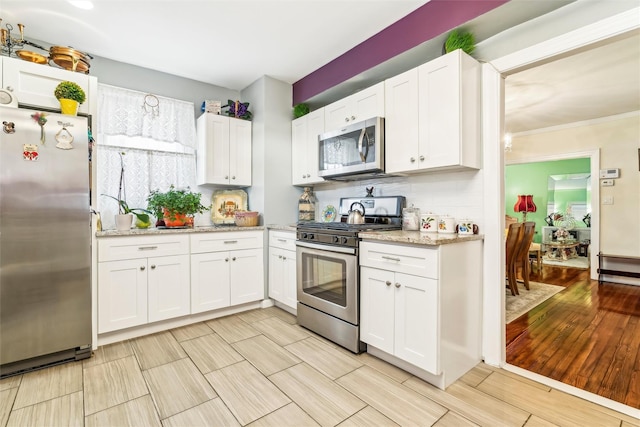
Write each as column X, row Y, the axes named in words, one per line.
column 325, row 278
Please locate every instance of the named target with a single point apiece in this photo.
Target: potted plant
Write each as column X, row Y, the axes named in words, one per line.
column 142, row 215
column 70, row 95
column 176, row 207
column 125, row 213
column 459, row 39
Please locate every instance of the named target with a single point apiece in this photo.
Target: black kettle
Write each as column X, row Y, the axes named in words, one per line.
column 355, row 216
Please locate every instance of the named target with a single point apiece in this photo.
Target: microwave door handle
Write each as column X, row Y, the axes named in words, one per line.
column 363, row 156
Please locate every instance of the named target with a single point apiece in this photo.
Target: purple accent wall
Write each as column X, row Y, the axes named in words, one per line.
column 421, row 25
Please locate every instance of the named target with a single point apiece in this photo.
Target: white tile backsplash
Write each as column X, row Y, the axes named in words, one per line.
column 458, row 194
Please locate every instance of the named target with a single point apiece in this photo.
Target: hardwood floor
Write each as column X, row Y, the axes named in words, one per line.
column 587, row 336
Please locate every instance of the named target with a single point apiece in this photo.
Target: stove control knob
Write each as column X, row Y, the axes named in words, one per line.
column 345, row 240
column 303, row 235
column 311, row 236
column 336, row 239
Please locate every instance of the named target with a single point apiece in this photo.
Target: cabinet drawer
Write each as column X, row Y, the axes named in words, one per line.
column 226, row 241
column 283, row 240
column 132, row 247
column 418, row 261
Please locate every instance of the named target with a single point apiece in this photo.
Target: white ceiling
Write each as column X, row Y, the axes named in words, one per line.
column 601, row 82
column 233, row 43
column 229, row 43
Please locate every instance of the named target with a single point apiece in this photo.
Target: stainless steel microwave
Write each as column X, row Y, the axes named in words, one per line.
column 354, row 151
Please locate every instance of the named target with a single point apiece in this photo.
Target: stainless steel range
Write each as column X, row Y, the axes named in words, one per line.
column 328, row 285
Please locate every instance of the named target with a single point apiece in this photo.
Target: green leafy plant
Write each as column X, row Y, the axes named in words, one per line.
column 300, row 110
column 175, row 202
column 123, row 207
column 459, row 39
column 70, row 90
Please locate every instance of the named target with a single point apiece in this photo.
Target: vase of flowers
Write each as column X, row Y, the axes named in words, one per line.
column 237, row 109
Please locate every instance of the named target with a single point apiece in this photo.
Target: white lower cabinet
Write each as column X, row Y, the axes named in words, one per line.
column 282, row 267
column 226, row 269
column 421, row 306
column 153, row 278
column 141, row 280
column 401, row 316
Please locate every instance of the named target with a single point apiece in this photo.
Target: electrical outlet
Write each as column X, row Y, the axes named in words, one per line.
column 607, row 200
column 607, row 182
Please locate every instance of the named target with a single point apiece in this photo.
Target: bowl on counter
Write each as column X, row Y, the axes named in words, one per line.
column 246, row 218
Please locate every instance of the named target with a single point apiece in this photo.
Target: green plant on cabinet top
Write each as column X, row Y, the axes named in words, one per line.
column 70, row 90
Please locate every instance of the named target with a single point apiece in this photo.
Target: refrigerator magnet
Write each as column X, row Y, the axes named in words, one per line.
column 64, row 139
column 30, row 152
column 41, row 120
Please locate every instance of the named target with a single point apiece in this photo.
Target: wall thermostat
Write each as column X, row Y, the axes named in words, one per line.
column 610, row 173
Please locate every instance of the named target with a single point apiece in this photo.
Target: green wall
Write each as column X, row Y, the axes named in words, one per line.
column 532, row 178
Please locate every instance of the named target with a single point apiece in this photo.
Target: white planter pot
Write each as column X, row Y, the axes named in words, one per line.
column 123, row 222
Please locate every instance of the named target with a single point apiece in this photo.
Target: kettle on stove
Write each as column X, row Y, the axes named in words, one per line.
column 355, row 216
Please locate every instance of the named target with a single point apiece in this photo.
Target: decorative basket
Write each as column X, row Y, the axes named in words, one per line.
column 246, row 218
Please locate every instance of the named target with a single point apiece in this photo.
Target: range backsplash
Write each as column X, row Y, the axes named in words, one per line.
column 458, row 194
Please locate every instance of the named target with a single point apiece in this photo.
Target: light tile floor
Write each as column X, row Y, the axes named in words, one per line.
column 259, row 368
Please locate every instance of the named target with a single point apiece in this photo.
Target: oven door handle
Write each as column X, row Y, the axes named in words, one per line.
column 342, row 250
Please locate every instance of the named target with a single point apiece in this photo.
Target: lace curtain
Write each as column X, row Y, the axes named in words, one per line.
column 156, row 150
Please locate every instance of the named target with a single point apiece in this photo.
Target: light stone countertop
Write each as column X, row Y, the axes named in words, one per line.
column 417, row 238
column 154, row 231
column 282, row 227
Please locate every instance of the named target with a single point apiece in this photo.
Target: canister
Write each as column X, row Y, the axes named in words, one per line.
column 446, row 224
column 428, row 223
column 411, row 219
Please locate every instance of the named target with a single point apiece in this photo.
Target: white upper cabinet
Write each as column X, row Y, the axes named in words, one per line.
column 304, row 148
column 33, row 84
column 401, row 121
column 361, row 106
column 446, row 113
column 224, row 150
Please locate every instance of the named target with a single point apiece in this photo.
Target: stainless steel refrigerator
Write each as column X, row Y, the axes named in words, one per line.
column 45, row 239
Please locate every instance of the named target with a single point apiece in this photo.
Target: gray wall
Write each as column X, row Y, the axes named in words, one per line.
column 146, row 80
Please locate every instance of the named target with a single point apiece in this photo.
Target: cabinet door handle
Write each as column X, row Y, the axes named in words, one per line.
column 147, row 248
column 142, row 268
column 390, row 258
column 226, row 260
column 412, row 160
column 353, row 118
column 230, row 241
column 422, row 158
column 233, row 259
column 10, row 88
column 388, row 283
column 284, row 258
column 233, row 177
column 280, row 256
column 282, row 240
column 303, row 176
column 346, row 119
column 226, row 177
column 397, row 285
column 153, row 266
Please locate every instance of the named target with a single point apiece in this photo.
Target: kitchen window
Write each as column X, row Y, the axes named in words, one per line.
column 158, row 138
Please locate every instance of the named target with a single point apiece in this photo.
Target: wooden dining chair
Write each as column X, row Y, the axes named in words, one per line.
column 522, row 254
column 514, row 236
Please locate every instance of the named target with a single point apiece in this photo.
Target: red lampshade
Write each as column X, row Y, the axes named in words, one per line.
column 524, row 204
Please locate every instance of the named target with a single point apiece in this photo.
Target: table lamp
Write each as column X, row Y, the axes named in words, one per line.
column 525, row 205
